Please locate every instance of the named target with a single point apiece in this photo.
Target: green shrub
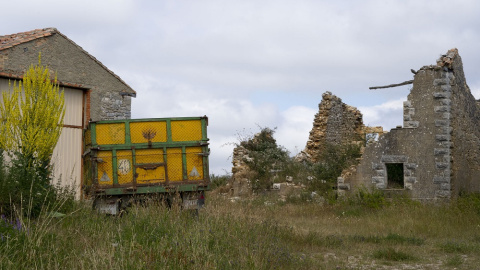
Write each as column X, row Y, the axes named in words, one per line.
column 218, row 180
column 374, row 199
column 455, row 247
column 332, row 161
column 265, row 158
column 454, row 261
column 468, row 202
column 24, row 188
column 392, row 254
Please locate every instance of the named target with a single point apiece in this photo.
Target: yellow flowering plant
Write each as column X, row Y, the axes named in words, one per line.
column 32, row 115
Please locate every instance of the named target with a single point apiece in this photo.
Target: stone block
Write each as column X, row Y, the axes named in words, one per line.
column 445, row 186
column 409, row 111
column 447, row 130
column 410, row 166
column 343, row 186
column 441, row 179
column 380, row 173
column 442, row 137
column 447, row 88
column 437, row 82
column 394, row 159
column 442, row 123
column 380, row 186
column 378, row 179
column 412, row 124
column 446, row 144
column 441, row 151
column 442, row 165
column 442, row 95
column 407, row 117
column 408, row 186
column 441, row 108
column 442, row 193
column 446, row 101
column 410, row 179
column 446, row 172
column 449, row 75
column 377, row 166
column 407, row 104
column 446, row 115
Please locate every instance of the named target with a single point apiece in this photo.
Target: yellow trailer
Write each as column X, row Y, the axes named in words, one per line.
column 161, row 156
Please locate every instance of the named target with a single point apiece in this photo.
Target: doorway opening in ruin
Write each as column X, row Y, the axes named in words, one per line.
column 395, row 175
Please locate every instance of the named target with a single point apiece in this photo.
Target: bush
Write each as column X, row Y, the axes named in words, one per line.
column 217, row 181
column 31, row 124
column 25, row 189
column 392, row 255
column 374, row 199
column 265, row 158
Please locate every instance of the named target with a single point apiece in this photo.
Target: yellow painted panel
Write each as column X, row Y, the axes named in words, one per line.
column 88, row 137
column 186, row 130
column 194, row 163
column 152, row 174
column 174, row 164
column 104, row 168
column 143, row 132
column 124, row 167
column 110, row 133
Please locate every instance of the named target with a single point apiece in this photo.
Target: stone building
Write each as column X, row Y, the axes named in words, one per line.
column 92, row 91
column 435, row 155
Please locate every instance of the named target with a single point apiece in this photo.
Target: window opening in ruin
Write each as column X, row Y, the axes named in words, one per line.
column 395, row 175
column 371, row 137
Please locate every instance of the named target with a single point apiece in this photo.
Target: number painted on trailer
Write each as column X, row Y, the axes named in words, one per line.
column 124, row 166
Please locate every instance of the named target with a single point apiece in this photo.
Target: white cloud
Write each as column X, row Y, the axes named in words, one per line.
column 250, row 62
column 295, row 127
column 388, row 114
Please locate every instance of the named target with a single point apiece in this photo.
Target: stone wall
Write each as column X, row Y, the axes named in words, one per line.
column 438, row 145
column 76, row 68
column 240, row 183
column 462, row 128
column 335, row 123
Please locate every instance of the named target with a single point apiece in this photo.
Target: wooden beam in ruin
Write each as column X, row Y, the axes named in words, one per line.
column 391, row 85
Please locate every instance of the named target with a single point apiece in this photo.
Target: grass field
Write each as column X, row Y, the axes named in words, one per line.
column 258, row 233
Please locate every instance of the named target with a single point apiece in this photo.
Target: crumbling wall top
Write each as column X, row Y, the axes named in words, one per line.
column 446, row 60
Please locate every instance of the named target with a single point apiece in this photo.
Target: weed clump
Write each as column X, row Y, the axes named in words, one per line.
column 392, row 254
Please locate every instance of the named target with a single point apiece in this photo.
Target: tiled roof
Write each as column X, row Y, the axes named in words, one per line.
column 9, row 41
column 12, row 40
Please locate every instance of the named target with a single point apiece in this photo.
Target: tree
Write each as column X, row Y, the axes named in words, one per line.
column 32, row 121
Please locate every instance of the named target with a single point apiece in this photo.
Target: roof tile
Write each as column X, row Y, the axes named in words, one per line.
column 9, row 41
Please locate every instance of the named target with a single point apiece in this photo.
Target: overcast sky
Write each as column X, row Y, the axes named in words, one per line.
column 258, row 63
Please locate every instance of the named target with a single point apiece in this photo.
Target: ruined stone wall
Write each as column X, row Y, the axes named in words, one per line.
column 464, row 127
column 438, row 145
column 75, row 67
column 241, row 174
column 335, row 123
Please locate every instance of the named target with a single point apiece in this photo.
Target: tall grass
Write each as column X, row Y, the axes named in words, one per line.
column 248, row 235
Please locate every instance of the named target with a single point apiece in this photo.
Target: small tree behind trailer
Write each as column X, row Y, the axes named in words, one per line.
column 164, row 158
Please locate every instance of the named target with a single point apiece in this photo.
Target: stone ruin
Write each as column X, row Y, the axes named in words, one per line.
column 335, row 123
column 435, row 155
column 240, row 185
